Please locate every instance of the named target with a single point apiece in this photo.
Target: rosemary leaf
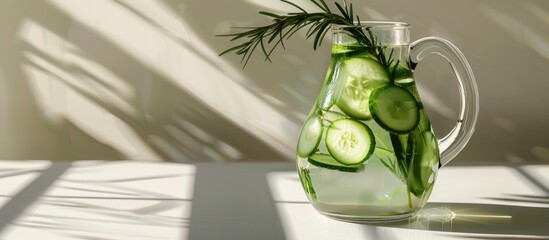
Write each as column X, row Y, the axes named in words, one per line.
column 295, row 5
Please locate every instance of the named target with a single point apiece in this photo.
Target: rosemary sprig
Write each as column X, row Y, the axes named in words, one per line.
column 269, row 37
column 284, row 26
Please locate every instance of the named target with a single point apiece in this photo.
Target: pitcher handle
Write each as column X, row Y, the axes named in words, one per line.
column 455, row 141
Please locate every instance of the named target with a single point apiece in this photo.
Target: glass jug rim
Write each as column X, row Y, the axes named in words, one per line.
column 387, row 25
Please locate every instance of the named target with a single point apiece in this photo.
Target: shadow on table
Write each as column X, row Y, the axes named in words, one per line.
column 95, row 200
column 480, row 221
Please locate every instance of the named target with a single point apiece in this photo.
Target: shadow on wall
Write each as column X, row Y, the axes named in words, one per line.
column 123, row 79
column 87, row 90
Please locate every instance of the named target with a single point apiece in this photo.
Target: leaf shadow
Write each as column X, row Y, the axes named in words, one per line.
column 157, row 122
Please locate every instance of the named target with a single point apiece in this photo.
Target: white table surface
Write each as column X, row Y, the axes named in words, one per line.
column 96, row 200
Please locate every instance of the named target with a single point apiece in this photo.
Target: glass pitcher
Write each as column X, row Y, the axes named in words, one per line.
column 367, row 151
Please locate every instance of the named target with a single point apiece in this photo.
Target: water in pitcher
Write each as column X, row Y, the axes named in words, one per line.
column 367, row 149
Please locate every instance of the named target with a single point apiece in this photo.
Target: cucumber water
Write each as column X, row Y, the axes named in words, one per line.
column 367, row 148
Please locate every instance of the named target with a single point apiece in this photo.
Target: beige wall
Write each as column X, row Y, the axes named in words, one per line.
column 141, row 79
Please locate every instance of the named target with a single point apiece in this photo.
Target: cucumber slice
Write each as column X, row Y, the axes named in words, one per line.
column 394, row 108
column 412, row 89
column 352, row 50
column 310, row 136
column 429, row 158
column 326, row 161
column 361, row 53
column 344, row 48
column 405, row 82
column 359, row 77
column 333, row 116
column 403, row 76
column 424, row 123
column 349, row 141
column 340, row 49
column 425, row 161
